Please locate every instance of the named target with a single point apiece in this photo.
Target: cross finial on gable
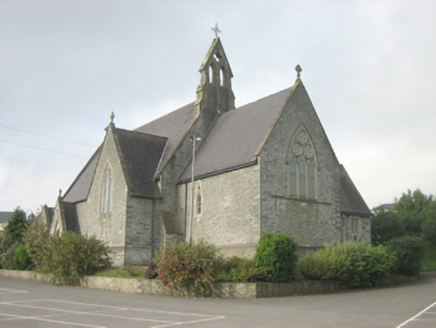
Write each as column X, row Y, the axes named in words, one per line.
column 216, row 30
column 298, row 69
column 112, row 117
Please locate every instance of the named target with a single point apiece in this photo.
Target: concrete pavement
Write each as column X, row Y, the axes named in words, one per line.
column 34, row 304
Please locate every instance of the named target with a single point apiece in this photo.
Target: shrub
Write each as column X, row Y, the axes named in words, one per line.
column 408, row 251
column 22, row 260
column 238, row 269
column 36, row 239
column 386, row 225
column 357, row 264
column 16, row 225
column 190, row 267
column 72, row 256
column 152, row 271
column 6, row 242
column 7, row 258
column 276, row 253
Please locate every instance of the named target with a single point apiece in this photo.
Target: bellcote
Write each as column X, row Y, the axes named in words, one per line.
column 214, row 94
column 215, row 68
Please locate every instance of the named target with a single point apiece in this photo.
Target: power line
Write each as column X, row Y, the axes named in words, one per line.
column 39, row 148
column 47, row 136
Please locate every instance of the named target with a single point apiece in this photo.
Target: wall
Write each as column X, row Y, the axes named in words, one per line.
column 109, row 227
column 230, row 218
column 311, row 221
column 139, row 249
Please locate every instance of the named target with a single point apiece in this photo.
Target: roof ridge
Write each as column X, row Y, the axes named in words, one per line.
column 139, row 133
column 164, row 116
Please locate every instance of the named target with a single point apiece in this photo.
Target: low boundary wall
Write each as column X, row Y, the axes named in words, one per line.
column 221, row 290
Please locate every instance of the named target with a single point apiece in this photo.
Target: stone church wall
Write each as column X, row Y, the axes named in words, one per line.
column 230, row 217
column 356, row 228
column 315, row 221
column 141, row 226
column 109, row 227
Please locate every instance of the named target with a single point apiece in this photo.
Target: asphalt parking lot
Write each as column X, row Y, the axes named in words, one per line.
column 26, row 303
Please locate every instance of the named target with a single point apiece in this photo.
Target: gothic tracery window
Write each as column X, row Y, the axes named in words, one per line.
column 302, row 167
column 106, row 190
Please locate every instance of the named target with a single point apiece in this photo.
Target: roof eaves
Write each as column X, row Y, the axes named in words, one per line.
column 367, row 215
column 218, row 172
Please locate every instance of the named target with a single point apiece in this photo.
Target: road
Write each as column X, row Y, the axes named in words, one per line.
column 26, row 303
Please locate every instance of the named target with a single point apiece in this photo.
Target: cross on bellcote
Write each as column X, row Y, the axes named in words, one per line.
column 216, row 30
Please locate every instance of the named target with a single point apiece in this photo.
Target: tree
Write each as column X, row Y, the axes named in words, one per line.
column 428, row 226
column 16, row 225
column 385, row 225
column 414, row 214
column 412, row 209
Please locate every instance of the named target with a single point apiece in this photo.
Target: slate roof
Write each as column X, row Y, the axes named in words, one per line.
column 351, row 201
column 141, row 155
column 78, row 191
column 238, row 135
column 173, row 126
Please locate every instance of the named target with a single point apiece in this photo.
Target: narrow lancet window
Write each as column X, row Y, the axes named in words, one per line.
column 106, row 191
column 198, row 200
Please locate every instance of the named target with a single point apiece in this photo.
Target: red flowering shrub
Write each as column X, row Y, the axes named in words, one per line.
column 190, row 268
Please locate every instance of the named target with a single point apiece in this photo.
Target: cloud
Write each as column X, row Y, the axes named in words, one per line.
column 368, row 67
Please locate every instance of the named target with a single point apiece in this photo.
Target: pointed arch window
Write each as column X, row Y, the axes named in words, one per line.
column 198, row 200
column 302, row 167
column 106, row 191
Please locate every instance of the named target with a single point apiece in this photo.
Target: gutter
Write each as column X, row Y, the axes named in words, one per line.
column 218, row 172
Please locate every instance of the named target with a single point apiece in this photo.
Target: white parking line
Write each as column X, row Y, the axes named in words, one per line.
column 96, row 311
column 415, row 318
column 22, row 317
column 12, row 291
column 188, row 322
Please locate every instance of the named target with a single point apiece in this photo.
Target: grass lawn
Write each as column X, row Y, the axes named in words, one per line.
column 135, row 272
column 429, row 260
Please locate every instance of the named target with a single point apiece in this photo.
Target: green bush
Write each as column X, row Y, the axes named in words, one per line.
column 357, row 264
column 7, row 257
column 16, row 225
column 276, row 253
column 386, row 225
column 191, row 267
column 6, row 241
column 72, row 256
column 152, row 271
column 238, row 269
column 408, row 251
column 36, row 239
column 22, row 261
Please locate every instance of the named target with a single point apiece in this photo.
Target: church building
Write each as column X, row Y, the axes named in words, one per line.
column 210, row 171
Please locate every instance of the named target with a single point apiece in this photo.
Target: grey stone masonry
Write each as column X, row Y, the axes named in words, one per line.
column 230, row 216
column 111, row 226
column 313, row 221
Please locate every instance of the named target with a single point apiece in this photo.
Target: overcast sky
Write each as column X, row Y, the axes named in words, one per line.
column 369, row 68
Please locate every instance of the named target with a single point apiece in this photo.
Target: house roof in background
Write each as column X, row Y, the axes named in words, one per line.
column 5, row 216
